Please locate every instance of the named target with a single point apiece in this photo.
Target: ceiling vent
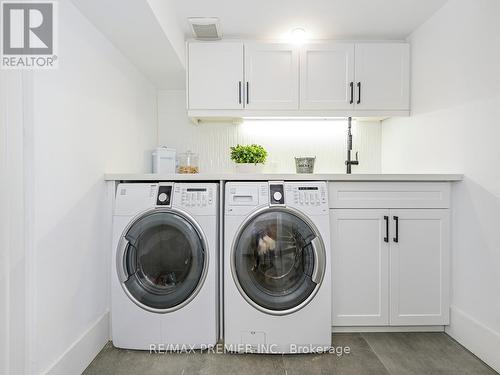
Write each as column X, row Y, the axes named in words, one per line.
column 205, row 28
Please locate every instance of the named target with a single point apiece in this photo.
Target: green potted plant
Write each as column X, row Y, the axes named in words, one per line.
column 249, row 158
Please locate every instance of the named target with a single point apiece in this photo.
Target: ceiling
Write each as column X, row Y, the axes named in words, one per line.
column 322, row 19
column 143, row 32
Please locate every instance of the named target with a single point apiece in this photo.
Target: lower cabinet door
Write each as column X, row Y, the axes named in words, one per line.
column 419, row 267
column 360, row 267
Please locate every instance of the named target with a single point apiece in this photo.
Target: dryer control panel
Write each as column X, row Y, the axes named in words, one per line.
column 196, row 197
column 310, row 197
column 164, row 195
column 276, row 193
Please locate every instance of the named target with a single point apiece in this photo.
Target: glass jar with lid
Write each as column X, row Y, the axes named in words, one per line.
column 187, row 162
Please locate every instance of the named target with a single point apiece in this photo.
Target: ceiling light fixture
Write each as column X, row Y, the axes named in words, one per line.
column 298, row 35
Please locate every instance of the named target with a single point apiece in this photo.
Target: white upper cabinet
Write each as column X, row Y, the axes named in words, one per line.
column 419, row 267
column 234, row 79
column 327, row 76
column 382, row 76
column 272, row 76
column 215, row 75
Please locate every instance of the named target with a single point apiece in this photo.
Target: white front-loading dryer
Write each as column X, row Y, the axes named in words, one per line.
column 277, row 294
column 164, row 266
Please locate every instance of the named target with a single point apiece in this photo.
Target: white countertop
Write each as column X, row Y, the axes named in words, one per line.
column 280, row 176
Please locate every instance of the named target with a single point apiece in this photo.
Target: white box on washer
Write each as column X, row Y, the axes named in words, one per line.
column 164, row 160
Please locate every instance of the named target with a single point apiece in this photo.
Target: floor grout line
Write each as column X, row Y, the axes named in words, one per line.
column 376, row 354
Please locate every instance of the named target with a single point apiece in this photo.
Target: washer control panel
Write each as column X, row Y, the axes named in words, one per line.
column 164, row 195
column 196, row 196
column 309, row 195
column 312, row 195
column 276, row 193
column 242, row 198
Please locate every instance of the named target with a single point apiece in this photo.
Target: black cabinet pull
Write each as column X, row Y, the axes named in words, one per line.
column 352, row 92
column 396, row 219
column 359, row 92
column 386, row 238
column 248, row 94
column 239, row 92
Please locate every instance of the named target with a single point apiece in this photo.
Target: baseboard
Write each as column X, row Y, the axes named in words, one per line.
column 476, row 337
column 79, row 355
column 353, row 329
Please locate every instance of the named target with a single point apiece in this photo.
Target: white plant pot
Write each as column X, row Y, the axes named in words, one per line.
column 249, row 167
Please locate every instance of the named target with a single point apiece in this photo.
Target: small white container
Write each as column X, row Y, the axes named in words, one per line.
column 164, row 160
column 305, row 164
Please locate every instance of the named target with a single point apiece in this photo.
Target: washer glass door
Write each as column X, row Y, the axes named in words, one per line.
column 274, row 259
column 164, row 260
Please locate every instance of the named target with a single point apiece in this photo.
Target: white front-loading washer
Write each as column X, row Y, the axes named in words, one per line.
column 164, row 266
column 277, row 294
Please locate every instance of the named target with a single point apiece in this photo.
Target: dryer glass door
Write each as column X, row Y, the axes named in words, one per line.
column 164, row 261
column 275, row 259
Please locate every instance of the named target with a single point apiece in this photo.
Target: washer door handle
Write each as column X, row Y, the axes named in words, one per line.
column 320, row 260
column 120, row 269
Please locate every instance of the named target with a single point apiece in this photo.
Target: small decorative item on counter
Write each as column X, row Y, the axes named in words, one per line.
column 187, row 162
column 305, row 164
column 164, row 160
column 249, row 158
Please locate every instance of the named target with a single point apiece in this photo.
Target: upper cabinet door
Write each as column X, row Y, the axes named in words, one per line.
column 419, row 267
column 215, row 75
column 382, row 76
column 327, row 76
column 272, row 76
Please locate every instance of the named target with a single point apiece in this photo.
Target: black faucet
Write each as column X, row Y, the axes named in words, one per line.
column 350, row 162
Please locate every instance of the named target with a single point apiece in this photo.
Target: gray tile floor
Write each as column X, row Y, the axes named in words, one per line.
column 370, row 354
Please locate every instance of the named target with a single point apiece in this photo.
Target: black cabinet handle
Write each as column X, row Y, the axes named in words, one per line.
column 359, row 93
column 239, row 92
column 352, row 92
column 396, row 219
column 248, row 94
column 386, row 238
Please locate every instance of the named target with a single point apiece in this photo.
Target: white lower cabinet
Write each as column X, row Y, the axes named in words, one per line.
column 390, row 267
column 419, row 267
column 360, row 265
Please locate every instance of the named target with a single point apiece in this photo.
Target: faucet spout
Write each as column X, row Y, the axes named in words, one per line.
column 349, row 162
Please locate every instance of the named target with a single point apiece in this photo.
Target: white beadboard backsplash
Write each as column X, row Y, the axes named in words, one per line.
column 283, row 139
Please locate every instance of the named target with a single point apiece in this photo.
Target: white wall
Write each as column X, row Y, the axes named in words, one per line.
column 92, row 115
column 455, row 128
column 13, row 259
column 282, row 139
column 164, row 11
